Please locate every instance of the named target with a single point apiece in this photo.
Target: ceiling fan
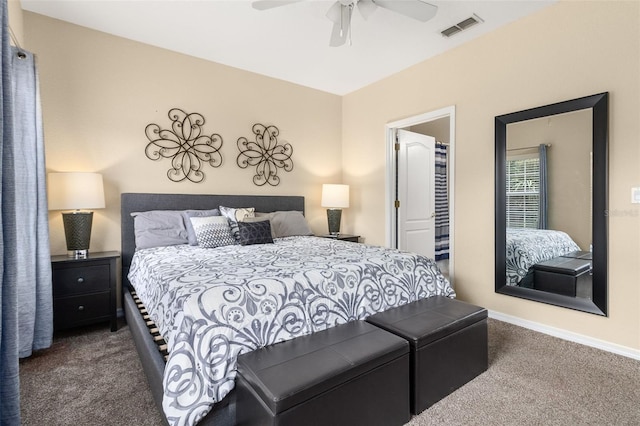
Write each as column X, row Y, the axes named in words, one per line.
column 341, row 11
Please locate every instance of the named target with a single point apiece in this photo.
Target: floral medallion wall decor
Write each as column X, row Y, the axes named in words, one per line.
column 185, row 145
column 265, row 154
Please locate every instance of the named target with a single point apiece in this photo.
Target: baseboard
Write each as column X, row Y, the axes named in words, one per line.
column 567, row 335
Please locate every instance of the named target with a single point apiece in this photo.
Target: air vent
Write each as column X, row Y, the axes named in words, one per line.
column 461, row 26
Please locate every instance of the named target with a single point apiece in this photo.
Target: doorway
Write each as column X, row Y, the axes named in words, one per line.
column 439, row 124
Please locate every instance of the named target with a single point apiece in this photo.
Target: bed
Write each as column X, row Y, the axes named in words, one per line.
column 212, row 304
column 526, row 247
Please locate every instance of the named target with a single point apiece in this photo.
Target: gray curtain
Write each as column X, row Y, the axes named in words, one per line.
column 442, row 203
column 544, row 202
column 26, row 312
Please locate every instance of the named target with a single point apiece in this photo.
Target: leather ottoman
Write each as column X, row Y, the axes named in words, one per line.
column 570, row 276
column 351, row 374
column 448, row 340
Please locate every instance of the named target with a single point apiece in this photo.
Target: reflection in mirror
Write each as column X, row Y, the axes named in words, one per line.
column 550, row 179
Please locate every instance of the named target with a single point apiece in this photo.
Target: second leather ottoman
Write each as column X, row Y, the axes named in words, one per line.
column 351, row 374
column 448, row 340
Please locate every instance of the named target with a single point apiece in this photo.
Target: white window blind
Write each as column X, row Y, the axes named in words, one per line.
column 523, row 192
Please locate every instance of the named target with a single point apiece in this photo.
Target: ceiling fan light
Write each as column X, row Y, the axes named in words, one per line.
column 366, row 8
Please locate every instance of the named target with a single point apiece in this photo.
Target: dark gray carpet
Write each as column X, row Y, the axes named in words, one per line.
column 91, row 376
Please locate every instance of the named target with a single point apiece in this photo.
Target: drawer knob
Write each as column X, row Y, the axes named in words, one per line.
column 80, row 280
column 81, row 308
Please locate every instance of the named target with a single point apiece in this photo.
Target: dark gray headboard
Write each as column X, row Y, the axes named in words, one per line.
column 141, row 202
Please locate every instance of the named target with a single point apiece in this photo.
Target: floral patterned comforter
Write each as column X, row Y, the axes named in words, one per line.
column 213, row 304
column 526, row 247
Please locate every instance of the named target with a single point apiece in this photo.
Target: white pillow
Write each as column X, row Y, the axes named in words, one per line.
column 236, row 215
column 212, row 231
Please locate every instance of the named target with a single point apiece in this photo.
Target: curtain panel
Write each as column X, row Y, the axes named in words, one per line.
column 544, row 192
column 26, row 308
column 442, row 202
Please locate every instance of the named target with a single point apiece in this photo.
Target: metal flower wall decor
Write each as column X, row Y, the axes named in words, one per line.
column 185, row 145
column 265, row 154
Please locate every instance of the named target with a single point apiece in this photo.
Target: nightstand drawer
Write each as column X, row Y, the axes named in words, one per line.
column 78, row 310
column 80, row 280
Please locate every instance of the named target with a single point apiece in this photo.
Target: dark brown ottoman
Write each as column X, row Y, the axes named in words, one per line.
column 448, row 340
column 351, row 374
column 570, row 276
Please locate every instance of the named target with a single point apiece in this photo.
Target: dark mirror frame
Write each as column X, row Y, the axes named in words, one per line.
column 600, row 106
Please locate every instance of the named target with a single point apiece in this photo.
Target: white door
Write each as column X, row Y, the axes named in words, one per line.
column 416, row 193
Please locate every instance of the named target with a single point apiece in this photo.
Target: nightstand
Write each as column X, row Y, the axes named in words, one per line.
column 84, row 290
column 343, row 237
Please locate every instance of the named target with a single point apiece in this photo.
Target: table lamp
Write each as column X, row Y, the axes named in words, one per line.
column 76, row 191
column 335, row 198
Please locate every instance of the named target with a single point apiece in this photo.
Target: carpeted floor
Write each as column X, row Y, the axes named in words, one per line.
column 91, row 376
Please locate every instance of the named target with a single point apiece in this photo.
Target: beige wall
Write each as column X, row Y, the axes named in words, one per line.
column 567, row 50
column 16, row 21
column 439, row 129
column 99, row 92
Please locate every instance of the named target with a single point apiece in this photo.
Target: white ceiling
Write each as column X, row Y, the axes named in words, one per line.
column 289, row 42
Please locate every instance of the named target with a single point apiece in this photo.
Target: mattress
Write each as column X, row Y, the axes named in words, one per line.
column 213, row 304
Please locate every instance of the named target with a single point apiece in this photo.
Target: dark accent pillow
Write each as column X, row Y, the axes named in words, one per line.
column 255, row 232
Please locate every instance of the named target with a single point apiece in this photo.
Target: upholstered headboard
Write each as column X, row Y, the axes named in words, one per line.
column 141, row 202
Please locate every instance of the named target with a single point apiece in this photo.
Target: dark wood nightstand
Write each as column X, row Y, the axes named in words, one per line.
column 343, row 237
column 84, row 290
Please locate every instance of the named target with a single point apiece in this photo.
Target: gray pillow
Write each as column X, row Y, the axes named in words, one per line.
column 187, row 214
column 287, row 223
column 158, row 228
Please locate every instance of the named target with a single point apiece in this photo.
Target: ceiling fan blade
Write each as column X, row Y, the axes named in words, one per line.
column 416, row 9
column 335, row 12
column 338, row 36
column 340, row 15
column 270, row 4
column 366, row 8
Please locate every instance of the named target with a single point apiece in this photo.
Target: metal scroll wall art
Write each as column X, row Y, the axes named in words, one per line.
column 185, row 145
column 265, row 154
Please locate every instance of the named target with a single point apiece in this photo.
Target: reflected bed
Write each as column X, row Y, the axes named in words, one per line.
column 526, row 247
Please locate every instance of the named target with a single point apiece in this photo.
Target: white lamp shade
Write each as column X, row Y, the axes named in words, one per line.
column 75, row 191
column 335, row 196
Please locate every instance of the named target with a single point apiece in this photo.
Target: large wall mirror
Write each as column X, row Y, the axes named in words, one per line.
column 551, row 203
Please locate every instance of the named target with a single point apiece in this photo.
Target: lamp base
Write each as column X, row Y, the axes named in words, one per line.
column 77, row 232
column 333, row 218
column 78, row 254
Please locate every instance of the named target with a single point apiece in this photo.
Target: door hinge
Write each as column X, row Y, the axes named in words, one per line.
column 397, row 146
column 397, row 204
